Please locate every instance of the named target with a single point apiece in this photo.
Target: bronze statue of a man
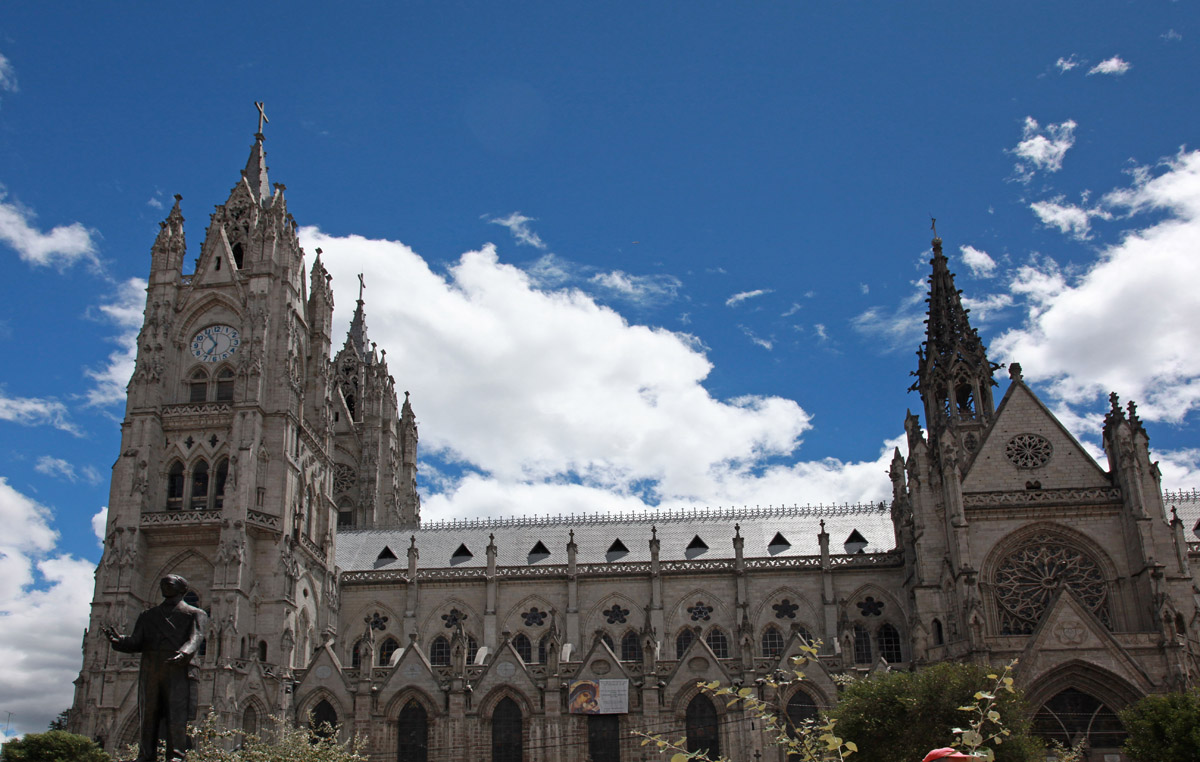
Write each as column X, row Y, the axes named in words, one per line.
column 167, row 636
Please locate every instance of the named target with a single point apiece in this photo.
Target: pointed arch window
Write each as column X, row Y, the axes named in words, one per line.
column 324, row 720
column 198, row 386
column 219, row 483
column 718, row 643
column 175, row 486
column 683, row 641
column 543, row 649
column 262, row 651
column 413, row 732
column 507, row 732
column 199, row 492
column 356, row 656
column 608, row 641
column 862, row 645
column 1072, row 716
column 239, row 255
column 604, row 737
column 772, row 642
column 703, row 729
column 939, row 635
column 472, row 649
column 800, row 707
column 439, row 652
column 250, row 720
column 631, row 647
column 523, row 647
column 225, row 385
column 386, row 649
column 887, row 641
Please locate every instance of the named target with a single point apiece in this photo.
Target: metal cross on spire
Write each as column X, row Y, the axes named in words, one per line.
column 933, row 225
column 262, row 116
column 361, row 286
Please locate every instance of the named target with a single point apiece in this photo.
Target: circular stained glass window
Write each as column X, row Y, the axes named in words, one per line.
column 1029, row 450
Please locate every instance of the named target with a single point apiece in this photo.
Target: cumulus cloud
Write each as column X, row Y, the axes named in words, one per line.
column 519, row 386
column 1078, row 336
column 1070, row 219
column 99, row 523
column 980, row 262
column 123, row 310
column 518, row 225
column 742, row 296
column 63, row 469
column 1064, row 65
column 37, row 586
column 36, row 411
column 1042, row 148
column 1113, row 66
column 61, row 247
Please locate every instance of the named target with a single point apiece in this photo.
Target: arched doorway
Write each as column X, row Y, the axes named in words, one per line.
column 1073, row 715
column 604, row 737
column 507, row 741
column 324, row 719
column 703, row 731
column 413, row 732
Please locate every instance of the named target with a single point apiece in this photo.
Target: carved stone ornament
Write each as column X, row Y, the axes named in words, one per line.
column 1030, row 577
column 1029, row 450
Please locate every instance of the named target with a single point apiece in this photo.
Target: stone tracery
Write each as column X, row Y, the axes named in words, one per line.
column 1029, row 578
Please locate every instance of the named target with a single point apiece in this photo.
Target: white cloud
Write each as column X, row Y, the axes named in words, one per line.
column 756, row 340
column 521, row 385
column 980, row 262
column 8, row 75
column 1043, row 148
column 864, row 288
column 822, row 333
column 742, row 296
column 35, row 411
column 36, row 587
column 62, row 469
column 62, row 247
column 984, row 308
column 518, row 225
column 1066, row 64
column 1068, row 218
column 639, row 289
column 901, row 327
column 99, row 524
column 1171, row 36
column 1079, row 335
column 1112, row 65
column 791, row 310
column 124, row 309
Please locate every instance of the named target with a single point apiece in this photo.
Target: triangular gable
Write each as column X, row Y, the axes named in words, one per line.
column 1021, row 412
column 601, row 652
column 688, row 671
column 494, row 676
column 216, row 266
column 411, row 669
column 332, row 678
column 1070, row 632
column 253, row 685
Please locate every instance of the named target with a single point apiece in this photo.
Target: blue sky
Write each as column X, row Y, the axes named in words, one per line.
column 622, row 255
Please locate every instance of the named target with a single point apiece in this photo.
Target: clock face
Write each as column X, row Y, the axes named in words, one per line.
column 215, row 343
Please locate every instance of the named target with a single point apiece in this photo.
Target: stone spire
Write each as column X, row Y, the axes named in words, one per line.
column 256, row 166
column 169, row 247
column 954, row 375
column 357, row 335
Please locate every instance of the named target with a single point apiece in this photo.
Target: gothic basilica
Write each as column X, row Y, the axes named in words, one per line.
column 279, row 477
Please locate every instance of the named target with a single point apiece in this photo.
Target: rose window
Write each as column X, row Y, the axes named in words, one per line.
column 1031, row 576
column 1029, row 450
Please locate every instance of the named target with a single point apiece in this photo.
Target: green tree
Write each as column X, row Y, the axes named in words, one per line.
column 284, row 742
column 901, row 716
column 53, row 746
column 1163, row 728
column 60, row 722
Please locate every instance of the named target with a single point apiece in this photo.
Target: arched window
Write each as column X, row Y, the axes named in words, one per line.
column 718, row 643
column 472, row 649
column 800, row 707
column 199, row 492
column 1029, row 578
column 439, row 652
column 356, row 656
column 1072, row 716
column 772, row 642
column 198, row 386
column 543, row 648
column 175, row 486
column 887, row 640
column 608, row 641
column 262, row 650
column 703, row 730
column 413, row 731
column 631, row 647
column 324, row 720
column 350, row 405
column 804, row 634
column 239, row 255
column 862, row 645
column 250, row 720
column 310, row 512
column 219, row 486
column 523, row 647
column 683, row 641
column 507, row 740
column 939, row 637
column 225, row 385
column 386, row 649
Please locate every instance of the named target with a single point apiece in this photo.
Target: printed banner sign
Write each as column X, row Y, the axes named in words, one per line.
column 599, row 697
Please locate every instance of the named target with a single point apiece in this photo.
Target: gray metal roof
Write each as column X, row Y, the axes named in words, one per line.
column 437, row 542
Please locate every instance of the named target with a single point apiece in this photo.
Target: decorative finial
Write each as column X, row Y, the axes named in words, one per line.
column 262, row 118
column 1014, row 371
column 1115, row 401
column 933, row 225
column 318, row 251
column 361, row 285
column 571, row 541
column 737, row 530
column 822, row 526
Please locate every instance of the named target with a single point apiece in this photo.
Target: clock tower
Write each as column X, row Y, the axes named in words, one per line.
column 227, row 467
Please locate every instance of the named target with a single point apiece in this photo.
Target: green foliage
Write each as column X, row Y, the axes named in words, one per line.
column 53, row 746
column 901, row 716
column 284, row 743
column 60, row 722
column 1163, row 728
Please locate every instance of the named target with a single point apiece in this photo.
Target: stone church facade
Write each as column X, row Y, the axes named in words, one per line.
column 282, row 484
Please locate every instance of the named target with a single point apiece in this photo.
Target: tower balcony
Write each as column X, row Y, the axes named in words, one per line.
column 183, row 526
